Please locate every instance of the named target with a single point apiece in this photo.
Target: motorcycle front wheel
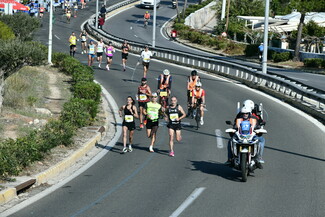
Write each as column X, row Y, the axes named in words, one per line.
column 243, row 166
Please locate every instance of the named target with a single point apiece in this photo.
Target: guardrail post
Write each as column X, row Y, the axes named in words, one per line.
column 228, row 70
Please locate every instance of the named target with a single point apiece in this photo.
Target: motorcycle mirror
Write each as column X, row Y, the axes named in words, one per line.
column 228, row 122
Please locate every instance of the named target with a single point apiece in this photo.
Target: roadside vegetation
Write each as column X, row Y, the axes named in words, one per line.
column 26, row 89
column 242, row 40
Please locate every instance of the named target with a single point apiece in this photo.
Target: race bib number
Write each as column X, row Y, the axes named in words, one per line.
column 173, row 117
column 83, row 38
column 91, row 50
column 191, row 94
column 109, row 52
column 128, row 118
column 163, row 93
column 143, row 97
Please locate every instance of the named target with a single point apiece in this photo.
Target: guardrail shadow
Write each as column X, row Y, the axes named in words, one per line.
column 294, row 153
column 217, row 168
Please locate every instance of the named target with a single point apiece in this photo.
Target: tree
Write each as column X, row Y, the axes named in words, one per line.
column 304, row 6
column 21, row 24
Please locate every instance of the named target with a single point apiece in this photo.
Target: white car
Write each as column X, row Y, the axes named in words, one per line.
column 149, row 3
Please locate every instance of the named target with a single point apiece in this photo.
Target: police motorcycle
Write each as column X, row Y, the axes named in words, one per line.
column 245, row 147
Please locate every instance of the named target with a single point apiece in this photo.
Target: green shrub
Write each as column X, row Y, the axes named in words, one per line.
column 22, row 25
column 56, row 133
column 6, row 32
column 251, row 50
column 314, row 63
column 82, row 75
column 75, row 113
column 57, row 59
column 222, row 44
column 9, row 164
column 281, row 57
column 87, row 90
column 69, row 64
column 14, row 54
column 235, row 48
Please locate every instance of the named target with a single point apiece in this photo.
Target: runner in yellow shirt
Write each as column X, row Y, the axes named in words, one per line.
column 73, row 43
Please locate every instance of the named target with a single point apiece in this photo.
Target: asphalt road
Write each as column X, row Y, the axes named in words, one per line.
column 153, row 184
column 129, row 25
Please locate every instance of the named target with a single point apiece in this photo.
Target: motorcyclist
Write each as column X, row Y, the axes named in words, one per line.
column 255, row 114
column 191, row 82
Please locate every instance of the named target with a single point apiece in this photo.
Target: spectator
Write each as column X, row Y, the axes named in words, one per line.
column 101, row 22
column 102, row 11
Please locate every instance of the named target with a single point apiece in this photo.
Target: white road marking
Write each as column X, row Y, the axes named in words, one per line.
column 195, row 194
column 136, row 36
column 219, row 138
column 301, row 79
column 131, row 27
column 57, row 37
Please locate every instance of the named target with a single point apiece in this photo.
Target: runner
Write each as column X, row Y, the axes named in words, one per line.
column 100, row 50
column 75, row 9
column 125, row 53
column 73, row 43
column 130, row 112
column 110, row 50
column 145, row 56
column 41, row 11
column 146, row 18
column 83, row 36
column 152, row 111
column 174, row 114
column 91, row 52
column 83, row 4
column 68, row 14
column 144, row 93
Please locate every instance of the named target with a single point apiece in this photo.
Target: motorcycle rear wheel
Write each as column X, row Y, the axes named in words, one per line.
column 244, row 167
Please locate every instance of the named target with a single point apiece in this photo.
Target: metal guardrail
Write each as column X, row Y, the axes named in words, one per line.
column 236, row 71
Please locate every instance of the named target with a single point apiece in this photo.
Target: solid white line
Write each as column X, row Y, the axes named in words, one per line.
column 195, row 194
column 218, row 138
column 57, row 37
column 301, row 79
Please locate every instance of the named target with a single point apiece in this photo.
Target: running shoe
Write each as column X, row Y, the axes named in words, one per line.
column 141, row 126
column 125, row 149
column 124, row 69
column 130, row 148
column 171, row 154
column 99, row 66
column 107, row 68
column 82, row 52
column 201, row 121
column 151, row 149
column 145, row 122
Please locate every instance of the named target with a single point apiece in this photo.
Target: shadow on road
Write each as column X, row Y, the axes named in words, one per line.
column 217, row 168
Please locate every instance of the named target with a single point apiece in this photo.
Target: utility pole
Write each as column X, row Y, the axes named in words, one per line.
column 223, row 10
column 227, row 20
column 266, row 36
column 49, row 57
column 97, row 9
column 154, row 24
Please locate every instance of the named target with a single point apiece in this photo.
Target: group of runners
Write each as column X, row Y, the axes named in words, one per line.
column 151, row 110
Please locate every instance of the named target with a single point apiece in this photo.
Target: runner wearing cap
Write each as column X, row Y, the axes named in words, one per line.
column 152, row 110
column 144, row 93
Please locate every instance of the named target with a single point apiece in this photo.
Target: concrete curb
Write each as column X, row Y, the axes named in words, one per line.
column 7, row 195
column 43, row 177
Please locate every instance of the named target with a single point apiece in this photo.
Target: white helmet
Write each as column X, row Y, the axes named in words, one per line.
column 198, row 84
column 166, row 72
column 249, row 104
column 246, row 110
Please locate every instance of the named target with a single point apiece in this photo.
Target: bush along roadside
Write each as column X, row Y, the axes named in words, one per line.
column 79, row 111
column 198, row 37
